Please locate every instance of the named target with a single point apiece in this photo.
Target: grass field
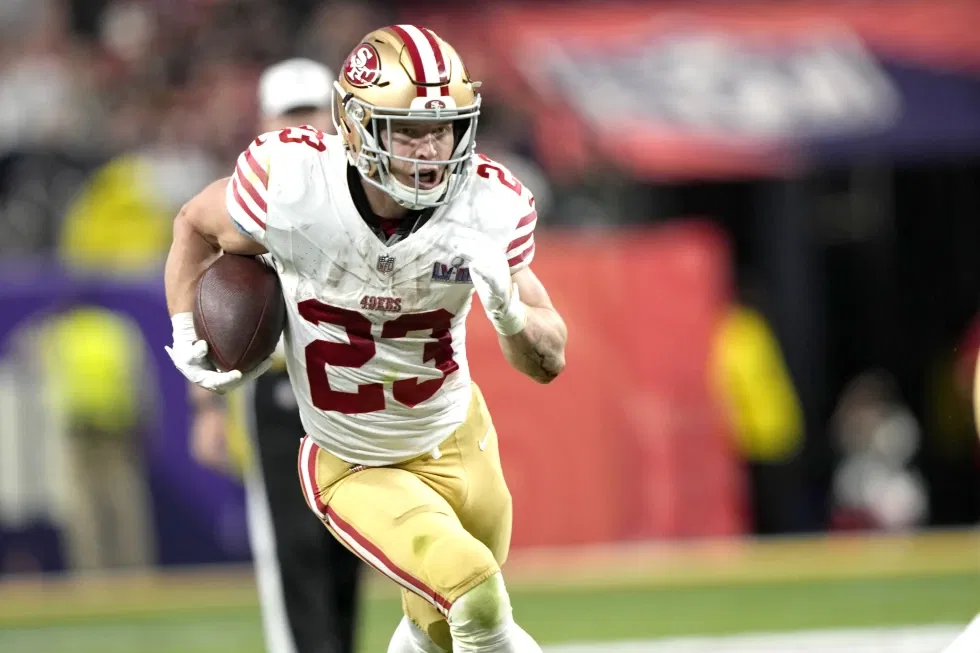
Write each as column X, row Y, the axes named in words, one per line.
column 586, row 598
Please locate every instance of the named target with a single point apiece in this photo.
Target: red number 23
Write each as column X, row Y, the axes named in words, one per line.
column 503, row 175
column 312, row 137
column 308, row 135
column 370, row 397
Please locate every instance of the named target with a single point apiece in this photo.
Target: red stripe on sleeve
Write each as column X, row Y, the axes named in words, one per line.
column 514, row 244
column 522, row 256
column 249, row 188
column 242, row 204
column 527, row 219
column 257, row 169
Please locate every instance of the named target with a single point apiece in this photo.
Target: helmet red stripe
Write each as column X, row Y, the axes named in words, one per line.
column 414, row 55
column 440, row 61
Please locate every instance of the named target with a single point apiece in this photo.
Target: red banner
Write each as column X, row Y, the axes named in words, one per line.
column 733, row 89
column 629, row 442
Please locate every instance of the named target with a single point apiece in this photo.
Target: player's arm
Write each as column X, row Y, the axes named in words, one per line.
column 538, row 349
column 231, row 215
column 531, row 332
column 202, row 230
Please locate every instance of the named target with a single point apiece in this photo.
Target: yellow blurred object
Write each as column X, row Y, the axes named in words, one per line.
column 762, row 404
column 95, row 358
column 237, row 442
column 115, row 225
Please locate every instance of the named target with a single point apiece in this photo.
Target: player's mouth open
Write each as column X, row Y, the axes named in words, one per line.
column 429, row 178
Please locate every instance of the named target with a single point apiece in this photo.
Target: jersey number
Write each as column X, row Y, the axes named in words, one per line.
column 308, row 135
column 370, row 397
column 503, row 175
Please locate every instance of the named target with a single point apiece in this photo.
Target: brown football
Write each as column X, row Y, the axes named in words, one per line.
column 239, row 311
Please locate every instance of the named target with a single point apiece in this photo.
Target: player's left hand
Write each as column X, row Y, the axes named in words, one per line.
column 491, row 279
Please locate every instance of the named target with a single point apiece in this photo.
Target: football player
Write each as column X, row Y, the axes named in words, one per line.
column 380, row 236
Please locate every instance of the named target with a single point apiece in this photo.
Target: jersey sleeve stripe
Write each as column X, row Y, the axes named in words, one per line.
column 519, row 249
column 527, row 219
column 242, row 204
column 517, row 242
column 249, row 188
column 260, row 172
column 523, row 256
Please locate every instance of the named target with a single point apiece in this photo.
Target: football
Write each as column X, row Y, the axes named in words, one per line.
column 240, row 312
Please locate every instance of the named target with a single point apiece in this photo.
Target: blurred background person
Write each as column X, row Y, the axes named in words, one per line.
column 976, row 395
column 764, row 415
column 308, row 582
column 876, row 484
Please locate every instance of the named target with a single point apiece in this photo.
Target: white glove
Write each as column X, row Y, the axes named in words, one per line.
column 190, row 356
column 491, row 279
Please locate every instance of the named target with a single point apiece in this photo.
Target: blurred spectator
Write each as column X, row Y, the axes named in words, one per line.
column 876, row 485
column 118, row 224
column 967, row 368
column 36, row 189
column 130, row 201
column 951, row 455
column 45, row 99
column 976, row 394
column 95, row 367
column 765, row 416
column 34, row 488
column 335, row 27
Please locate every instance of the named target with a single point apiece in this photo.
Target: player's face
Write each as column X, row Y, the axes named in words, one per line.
column 428, row 141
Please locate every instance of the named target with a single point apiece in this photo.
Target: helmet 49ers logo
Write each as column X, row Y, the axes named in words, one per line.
column 435, row 104
column 363, row 66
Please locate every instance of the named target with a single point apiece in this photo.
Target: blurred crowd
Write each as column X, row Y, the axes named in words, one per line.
column 115, row 112
column 154, row 99
column 115, row 75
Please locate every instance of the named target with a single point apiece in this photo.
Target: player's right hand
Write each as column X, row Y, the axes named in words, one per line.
column 190, row 356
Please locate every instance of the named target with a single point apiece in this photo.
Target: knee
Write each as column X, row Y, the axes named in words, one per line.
column 409, row 638
column 453, row 559
column 483, row 608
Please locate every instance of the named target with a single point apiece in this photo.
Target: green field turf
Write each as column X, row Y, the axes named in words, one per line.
column 553, row 617
column 912, row 585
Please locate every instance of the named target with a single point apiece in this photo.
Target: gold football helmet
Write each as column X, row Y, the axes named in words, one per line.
column 405, row 73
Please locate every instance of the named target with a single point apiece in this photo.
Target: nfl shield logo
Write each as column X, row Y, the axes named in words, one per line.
column 386, row 264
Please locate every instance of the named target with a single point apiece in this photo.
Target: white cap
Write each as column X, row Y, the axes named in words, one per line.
column 292, row 84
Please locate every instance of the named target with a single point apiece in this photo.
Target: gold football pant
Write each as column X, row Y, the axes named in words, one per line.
column 437, row 525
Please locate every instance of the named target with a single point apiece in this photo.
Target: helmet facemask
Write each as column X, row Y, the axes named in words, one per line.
column 373, row 160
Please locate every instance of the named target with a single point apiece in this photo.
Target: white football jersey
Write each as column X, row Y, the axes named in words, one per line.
column 375, row 338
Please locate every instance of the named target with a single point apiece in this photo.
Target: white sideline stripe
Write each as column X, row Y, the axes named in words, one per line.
column 969, row 639
column 262, row 538
column 924, row 639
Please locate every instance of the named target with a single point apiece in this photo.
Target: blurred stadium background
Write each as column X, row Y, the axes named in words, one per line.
column 760, row 220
